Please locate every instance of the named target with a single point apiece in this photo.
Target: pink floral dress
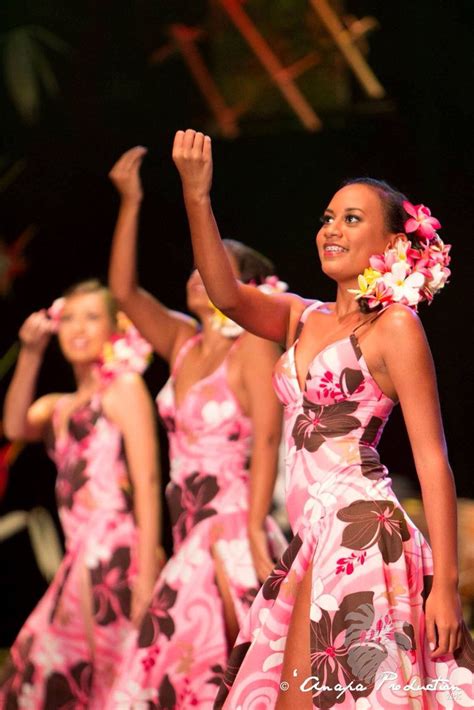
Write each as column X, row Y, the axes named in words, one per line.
column 66, row 653
column 371, row 568
column 179, row 656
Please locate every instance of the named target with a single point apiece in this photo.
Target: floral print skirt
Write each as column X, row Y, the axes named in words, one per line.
column 178, row 657
column 371, row 574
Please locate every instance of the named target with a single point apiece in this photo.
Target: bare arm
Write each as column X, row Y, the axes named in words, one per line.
column 163, row 328
column 409, row 363
column 258, row 358
column 22, row 419
column 129, row 405
column 265, row 315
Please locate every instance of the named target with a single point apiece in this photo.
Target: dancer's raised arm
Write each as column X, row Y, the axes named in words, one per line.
column 165, row 329
column 270, row 317
column 23, row 419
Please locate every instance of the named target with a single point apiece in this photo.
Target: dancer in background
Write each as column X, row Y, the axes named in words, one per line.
column 224, row 425
column 359, row 613
column 102, row 438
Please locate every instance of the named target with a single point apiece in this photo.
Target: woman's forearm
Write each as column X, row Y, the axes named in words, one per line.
column 20, row 394
column 263, row 471
column 209, row 252
column 122, row 267
column 148, row 517
column 439, row 501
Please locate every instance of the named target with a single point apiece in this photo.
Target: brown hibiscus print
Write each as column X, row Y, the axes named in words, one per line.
column 71, row 690
column 167, row 695
column 351, row 381
column 370, row 462
column 111, row 592
column 82, row 422
column 235, row 661
column 351, row 647
column 273, row 582
column 16, row 671
column 218, row 676
column 189, row 504
column 371, row 522
column 158, row 620
column 71, row 478
column 330, row 648
column 318, row 423
column 169, row 424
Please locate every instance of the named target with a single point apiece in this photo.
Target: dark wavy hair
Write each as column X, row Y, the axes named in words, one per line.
column 395, row 215
column 392, row 201
column 253, row 266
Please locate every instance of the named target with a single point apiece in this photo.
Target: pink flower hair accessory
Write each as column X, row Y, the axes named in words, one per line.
column 420, row 223
column 125, row 351
column 409, row 271
column 54, row 313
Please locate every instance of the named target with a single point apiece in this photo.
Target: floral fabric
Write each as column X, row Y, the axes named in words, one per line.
column 371, row 569
column 66, row 653
column 178, row 658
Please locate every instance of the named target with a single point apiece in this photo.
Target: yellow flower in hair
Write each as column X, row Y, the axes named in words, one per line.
column 108, row 352
column 366, row 280
column 123, row 322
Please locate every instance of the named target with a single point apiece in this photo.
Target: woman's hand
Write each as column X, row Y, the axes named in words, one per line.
column 35, row 332
column 444, row 620
column 259, row 550
column 125, row 175
column 192, row 155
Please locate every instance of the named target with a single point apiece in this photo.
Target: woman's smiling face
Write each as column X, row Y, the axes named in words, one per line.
column 84, row 328
column 353, row 230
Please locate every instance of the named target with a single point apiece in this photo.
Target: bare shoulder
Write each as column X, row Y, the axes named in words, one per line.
column 400, row 335
column 42, row 409
column 299, row 304
column 399, row 320
column 127, row 392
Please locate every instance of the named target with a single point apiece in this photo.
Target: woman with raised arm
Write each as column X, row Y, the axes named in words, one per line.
column 224, row 425
column 102, row 439
column 359, row 612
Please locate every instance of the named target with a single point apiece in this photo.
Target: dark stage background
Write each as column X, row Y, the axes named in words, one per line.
column 270, row 187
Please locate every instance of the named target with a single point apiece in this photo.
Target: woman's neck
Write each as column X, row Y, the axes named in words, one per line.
column 212, row 338
column 345, row 305
column 86, row 378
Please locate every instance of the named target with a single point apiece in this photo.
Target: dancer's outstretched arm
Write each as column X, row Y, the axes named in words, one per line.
column 408, row 362
column 128, row 404
column 258, row 358
column 165, row 329
column 22, row 419
column 269, row 316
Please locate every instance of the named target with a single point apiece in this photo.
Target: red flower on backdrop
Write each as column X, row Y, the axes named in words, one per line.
column 12, row 260
column 8, row 454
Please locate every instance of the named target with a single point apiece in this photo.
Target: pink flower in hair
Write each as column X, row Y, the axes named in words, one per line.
column 55, row 312
column 126, row 351
column 420, row 221
column 381, row 295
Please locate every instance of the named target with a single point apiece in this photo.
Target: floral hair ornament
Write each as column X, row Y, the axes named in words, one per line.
column 231, row 329
column 410, row 270
column 125, row 351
